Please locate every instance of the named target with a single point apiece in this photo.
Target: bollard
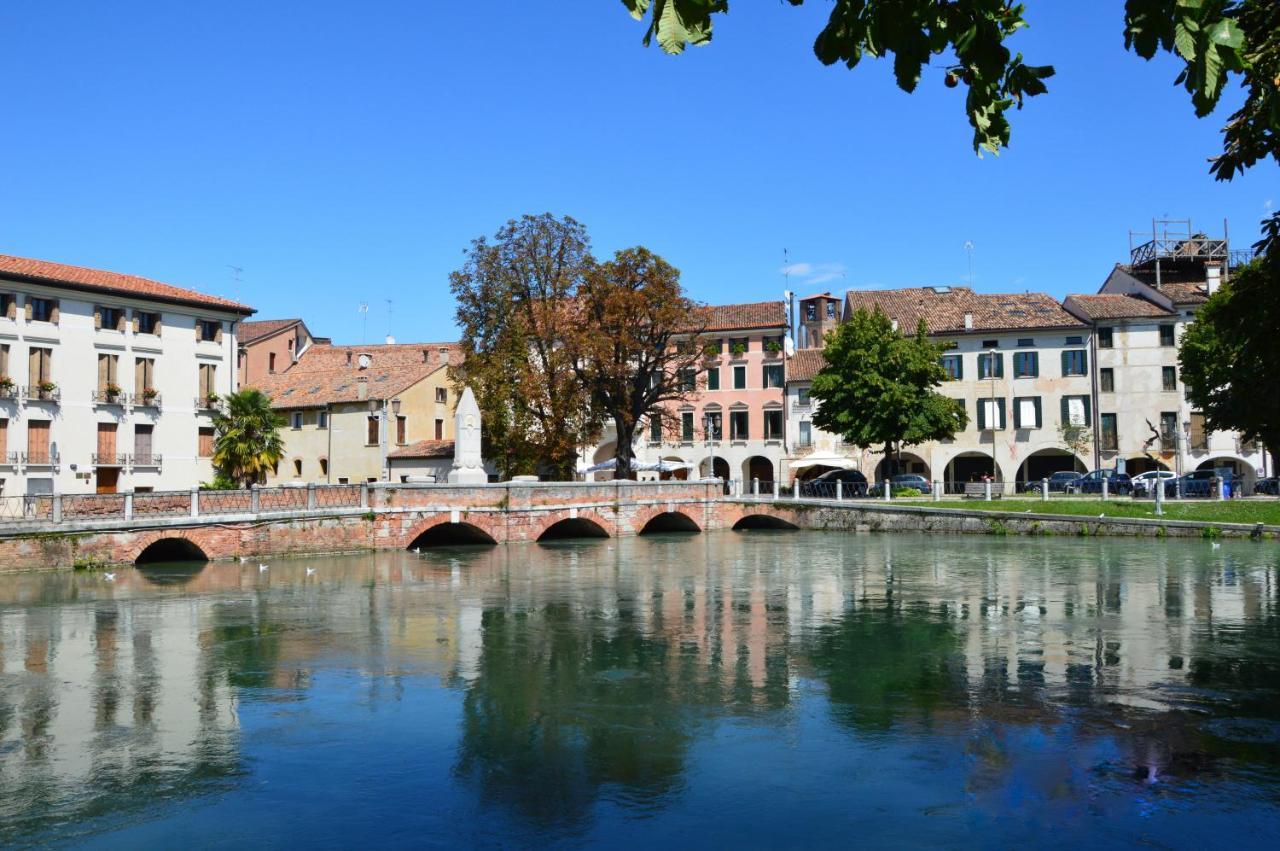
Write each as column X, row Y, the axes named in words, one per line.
column 755, row 486
column 1158, row 484
column 255, row 500
column 1217, row 483
column 839, row 490
column 986, row 490
column 795, row 488
column 1044, row 490
column 1104, row 488
column 311, row 496
column 888, row 490
column 364, row 496
column 56, row 508
column 128, row 506
column 195, row 502
column 937, row 491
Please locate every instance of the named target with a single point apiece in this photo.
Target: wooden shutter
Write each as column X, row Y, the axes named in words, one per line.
column 135, row 321
column 54, row 311
column 97, row 316
column 4, row 359
column 139, row 375
column 106, row 440
column 38, row 440
column 11, row 312
column 142, row 441
column 206, row 442
column 33, row 370
column 4, row 439
column 1199, row 437
column 104, row 370
column 217, row 335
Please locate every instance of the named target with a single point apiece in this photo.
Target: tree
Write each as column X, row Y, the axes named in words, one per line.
column 637, row 348
column 247, row 440
column 1214, row 39
column 877, row 386
column 1076, row 438
column 514, row 306
column 1231, row 353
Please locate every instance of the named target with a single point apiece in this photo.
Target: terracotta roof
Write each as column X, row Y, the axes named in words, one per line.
column 943, row 309
column 735, row 317
column 251, row 332
column 1186, row 293
column 820, row 295
column 1113, row 306
column 78, row 277
column 804, row 364
column 425, row 449
column 327, row 375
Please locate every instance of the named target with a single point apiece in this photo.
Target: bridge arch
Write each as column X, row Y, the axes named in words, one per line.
column 439, row 529
column 661, row 520
column 763, row 521
column 564, row 524
column 166, row 547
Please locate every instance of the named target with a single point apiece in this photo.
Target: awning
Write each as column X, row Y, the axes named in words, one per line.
column 824, row 459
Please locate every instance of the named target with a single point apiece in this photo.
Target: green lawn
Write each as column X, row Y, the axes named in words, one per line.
column 1231, row 511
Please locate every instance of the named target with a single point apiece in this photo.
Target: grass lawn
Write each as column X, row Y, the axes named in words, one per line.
column 1231, row 511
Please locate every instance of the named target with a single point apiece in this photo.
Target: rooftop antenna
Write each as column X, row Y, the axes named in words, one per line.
column 363, row 310
column 390, row 339
column 235, row 278
column 968, row 248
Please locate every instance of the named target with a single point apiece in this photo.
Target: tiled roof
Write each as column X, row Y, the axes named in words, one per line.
column 330, row 374
column 735, row 317
column 804, row 364
column 1186, row 293
column 60, row 274
column 943, row 309
column 1113, row 306
column 425, row 449
column 820, row 295
column 251, row 332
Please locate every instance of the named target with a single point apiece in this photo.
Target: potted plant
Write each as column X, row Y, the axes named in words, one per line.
column 711, row 350
column 46, row 389
column 738, row 349
column 148, row 395
column 772, row 346
column 112, row 392
column 6, row 385
column 211, row 400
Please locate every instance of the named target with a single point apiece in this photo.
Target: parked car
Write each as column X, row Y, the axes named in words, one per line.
column 906, row 480
column 1195, row 483
column 1269, row 486
column 852, row 483
column 1118, row 484
column 1063, row 481
column 1143, row 482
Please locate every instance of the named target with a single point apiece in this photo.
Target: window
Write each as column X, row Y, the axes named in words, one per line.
column 713, row 378
column 208, row 381
column 686, row 426
column 1166, row 335
column 402, row 429
column 205, row 442
column 324, row 467
column 8, row 306
column 442, row 395
column 1075, row 410
column 990, row 414
column 297, row 466
column 739, row 378
column 209, row 330
column 1107, row 380
column 773, row 375
column 297, row 419
column 371, row 431
column 343, row 480
column 1199, row 437
column 1026, row 364
column 1107, row 436
column 1075, row 341
column 38, row 442
column 688, row 380
column 806, row 433
column 322, row 419
column 773, row 426
column 1169, row 430
column 713, row 426
column 1026, row 412
column 142, row 444
column 108, row 373
column 739, row 425
column 831, row 310
column 4, row 439
column 1074, row 362
column 954, row 365
column 990, row 365
column 655, row 428
column 108, row 318
column 145, row 322
column 42, row 309
column 810, row 311
column 739, row 345
column 1169, row 377
column 40, row 367
column 1026, row 342
column 990, row 344
column 803, row 397
column 1105, row 340
column 144, row 376
column 271, row 362
column 439, row 429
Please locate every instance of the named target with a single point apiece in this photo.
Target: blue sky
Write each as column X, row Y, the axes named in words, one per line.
column 345, row 152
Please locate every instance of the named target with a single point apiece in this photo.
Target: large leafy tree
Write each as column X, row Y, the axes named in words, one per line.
column 1214, row 39
column 514, row 306
column 637, row 346
column 247, row 441
column 877, row 387
column 1232, row 352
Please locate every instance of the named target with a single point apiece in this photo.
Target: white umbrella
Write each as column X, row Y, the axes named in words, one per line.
column 823, row 459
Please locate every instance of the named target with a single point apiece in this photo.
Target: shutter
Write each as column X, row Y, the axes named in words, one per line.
column 33, row 368
column 4, row 438
column 38, row 440
column 1017, row 411
column 1035, row 403
column 103, row 371
column 1000, row 413
column 97, row 317
column 55, row 312
column 1066, row 412
column 113, row 369
column 1066, row 365
column 155, row 328
column 11, row 312
column 1035, row 364
column 959, row 361
column 135, row 321
column 217, row 335
column 999, row 366
column 982, row 414
column 1088, row 414
column 27, row 308
column 1084, row 362
column 139, row 376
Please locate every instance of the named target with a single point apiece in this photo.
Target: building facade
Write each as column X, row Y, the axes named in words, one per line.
column 269, row 346
column 108, row 382
column 349, row 409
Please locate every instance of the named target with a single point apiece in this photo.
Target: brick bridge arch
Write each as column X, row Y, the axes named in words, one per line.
column 205, row 539
column 732, row 513
column 492, row 524
column 643, row 516
column 541, row 522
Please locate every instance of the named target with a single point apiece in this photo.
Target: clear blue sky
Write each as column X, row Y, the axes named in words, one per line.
column 348, row 152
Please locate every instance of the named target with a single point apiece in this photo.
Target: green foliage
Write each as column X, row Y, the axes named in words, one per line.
column 1232, row 350
column 877, row 386
column 247, row 441
column 997, row 527
column 221, row 482
column 1210, row 533
column 1076, row 438
column 906, row 492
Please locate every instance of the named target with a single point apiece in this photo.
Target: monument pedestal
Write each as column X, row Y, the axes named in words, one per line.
column 468, row 465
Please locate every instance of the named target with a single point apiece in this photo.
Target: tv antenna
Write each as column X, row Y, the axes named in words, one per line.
column 968, row 249
column 236, row 271
column 363, row 310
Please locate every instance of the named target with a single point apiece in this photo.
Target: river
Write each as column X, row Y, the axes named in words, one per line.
column 758, row 689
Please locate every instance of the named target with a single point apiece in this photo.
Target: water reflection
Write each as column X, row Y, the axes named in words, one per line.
column 617, row 690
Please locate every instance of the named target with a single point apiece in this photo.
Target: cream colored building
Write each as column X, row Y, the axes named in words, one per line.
column 348, row 409
column 106, row 380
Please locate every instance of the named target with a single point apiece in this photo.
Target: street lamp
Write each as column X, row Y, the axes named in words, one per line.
column 991, row 374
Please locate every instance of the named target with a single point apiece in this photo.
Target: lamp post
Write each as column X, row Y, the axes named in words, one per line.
column 991, row 374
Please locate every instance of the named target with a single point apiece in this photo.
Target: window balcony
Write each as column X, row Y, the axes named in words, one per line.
column 108, row 397
column 146, row 459
column 801, row 406
column 40, row 459
column 47, row 392
column 146, row 399
column 110, row 459
column 10, row 391
column 10, row 459
column 208, row 403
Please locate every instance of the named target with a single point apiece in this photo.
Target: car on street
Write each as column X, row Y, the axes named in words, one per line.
column 1143, row 483
column 1062, row 481
column 1198, row 483
column 1270, row 486
column 852, row 483
column 1118, row 484
column 905, row 480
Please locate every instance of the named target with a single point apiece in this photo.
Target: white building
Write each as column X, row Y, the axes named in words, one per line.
column 107, row 380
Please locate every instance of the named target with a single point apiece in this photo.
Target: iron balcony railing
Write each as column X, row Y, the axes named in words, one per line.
column 109, row 459
column 38, row 394
column 146, row 459
column 145, row 399
column 10, row 391
column 108, row 397
column 40, row 459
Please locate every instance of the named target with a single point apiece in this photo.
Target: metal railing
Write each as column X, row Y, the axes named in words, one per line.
column 39, row 459
column 145, row 400
column 109, row 459
column 146, row 459
column 10, row 391
column 35, row 394
column 108, row 397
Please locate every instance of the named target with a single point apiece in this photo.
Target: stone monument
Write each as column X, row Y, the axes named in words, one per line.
column 468, row 465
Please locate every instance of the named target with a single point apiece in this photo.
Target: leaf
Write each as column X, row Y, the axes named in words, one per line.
column 1226, row 32
column 1185, row 41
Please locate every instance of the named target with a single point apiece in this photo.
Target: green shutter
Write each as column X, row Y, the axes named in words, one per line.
column 1000, row 416
column 713, row 378
column 1088, row 414
column 1039, row 418
column 1066, row 370
column 1017, row 412
column 982, row 414
column 999, row 366
column 1035, row 364
column 1063, row 418
column 959, row 367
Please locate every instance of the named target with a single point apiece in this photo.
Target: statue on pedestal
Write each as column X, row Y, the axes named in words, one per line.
column 468, row 465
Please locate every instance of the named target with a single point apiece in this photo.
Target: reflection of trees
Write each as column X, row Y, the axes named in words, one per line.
column 882, row 662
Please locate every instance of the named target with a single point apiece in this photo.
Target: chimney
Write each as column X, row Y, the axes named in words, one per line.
column 1213, row 277
column 968, row 321
column 362, row 388
column 444, row 356
column 426, row 356
column 894, row 324
column 348, row 357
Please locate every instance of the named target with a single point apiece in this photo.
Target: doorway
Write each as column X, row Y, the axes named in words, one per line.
column 108, row 478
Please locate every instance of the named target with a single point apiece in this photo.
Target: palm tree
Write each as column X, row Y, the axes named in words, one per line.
column 247, row 441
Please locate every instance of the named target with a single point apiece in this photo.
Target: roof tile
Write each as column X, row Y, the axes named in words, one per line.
column 1115, row 306
column 424, row 449
column 326, row 375
column 943, row 309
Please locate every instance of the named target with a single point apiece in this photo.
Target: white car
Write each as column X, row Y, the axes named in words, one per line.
column 1142, row 481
